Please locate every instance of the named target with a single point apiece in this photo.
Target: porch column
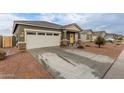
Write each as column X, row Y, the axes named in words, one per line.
column 80, row 42
column 79, row 35
column 64, row 39
column 64, row 34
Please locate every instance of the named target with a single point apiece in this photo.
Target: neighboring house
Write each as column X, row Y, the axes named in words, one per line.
column 87, row 35
column 110, row 37
column 99, row 33
column 37, row 34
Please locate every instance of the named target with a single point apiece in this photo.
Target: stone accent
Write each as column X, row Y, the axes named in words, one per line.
column 21, row 46
column 80, row 44
column 64, row 40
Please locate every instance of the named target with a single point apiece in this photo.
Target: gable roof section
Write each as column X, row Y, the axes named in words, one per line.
column 68, row 27
column 99, row 33
column 85, row 31
column 44, row 24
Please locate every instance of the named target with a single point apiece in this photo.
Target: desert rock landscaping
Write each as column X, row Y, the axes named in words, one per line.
column 111, row 50
column 21, row 65
column 56, row 62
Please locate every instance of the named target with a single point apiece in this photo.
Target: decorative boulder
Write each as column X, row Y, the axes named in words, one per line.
column 2, row 54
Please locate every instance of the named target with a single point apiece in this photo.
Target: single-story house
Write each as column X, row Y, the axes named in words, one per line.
column 36, row 34
column 87, row 35
column 99, row 33
column 110, row 37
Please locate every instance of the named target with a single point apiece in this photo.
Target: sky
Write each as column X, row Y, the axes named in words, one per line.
column 109, row 22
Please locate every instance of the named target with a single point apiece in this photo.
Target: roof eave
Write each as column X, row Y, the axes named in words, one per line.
column 15, row 24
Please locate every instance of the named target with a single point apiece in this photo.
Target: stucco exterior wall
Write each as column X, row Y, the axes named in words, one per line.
column 84, row 37
column 94, row 38
column 103, row 34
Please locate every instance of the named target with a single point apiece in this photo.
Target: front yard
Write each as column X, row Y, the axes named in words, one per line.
column 21, row 65
column 110, row 50
column 90, row 62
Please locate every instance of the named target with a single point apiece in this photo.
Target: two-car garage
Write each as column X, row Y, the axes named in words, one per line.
column 41, row 38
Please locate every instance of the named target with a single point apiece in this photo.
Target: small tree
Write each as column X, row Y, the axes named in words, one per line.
column 100, row 41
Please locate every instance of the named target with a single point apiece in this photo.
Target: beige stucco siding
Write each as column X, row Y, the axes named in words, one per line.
column 94, row 37
column 73, row 28
column 85, row 35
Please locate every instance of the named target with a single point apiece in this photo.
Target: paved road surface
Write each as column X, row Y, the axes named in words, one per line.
column 117, row 70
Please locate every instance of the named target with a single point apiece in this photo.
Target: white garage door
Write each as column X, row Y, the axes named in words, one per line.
column 42, row 39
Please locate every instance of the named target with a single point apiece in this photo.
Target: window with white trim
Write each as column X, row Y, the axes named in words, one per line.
column 49, row 34
column 56, row 34
column 41, row 33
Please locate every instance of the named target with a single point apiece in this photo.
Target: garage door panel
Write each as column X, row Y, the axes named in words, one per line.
column 38, row 41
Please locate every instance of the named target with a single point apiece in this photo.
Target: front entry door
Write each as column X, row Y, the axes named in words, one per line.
column 71, row 38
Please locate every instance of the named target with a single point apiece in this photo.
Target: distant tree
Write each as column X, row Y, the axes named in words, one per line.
column 100, row 41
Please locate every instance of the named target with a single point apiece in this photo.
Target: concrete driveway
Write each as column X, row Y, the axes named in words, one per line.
column 87, row 65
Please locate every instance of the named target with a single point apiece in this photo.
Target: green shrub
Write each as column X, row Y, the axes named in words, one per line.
column 100, row 41
column 81, row 47
column 87, row 45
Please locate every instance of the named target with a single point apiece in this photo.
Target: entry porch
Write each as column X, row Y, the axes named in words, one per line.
column 70, row 38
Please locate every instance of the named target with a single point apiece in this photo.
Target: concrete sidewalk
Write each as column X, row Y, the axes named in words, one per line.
column 117, row 70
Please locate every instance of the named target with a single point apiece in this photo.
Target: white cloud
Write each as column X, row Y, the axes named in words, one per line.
column 96, row 21
column 46, row 17
column 6, row 23
column 65, row 18
column 76, row 18
column 101, row 27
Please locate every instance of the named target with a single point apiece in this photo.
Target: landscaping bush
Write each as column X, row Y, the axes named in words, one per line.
column 87, row 45
column 2, row 54
column 82, row 47
column 100, row 41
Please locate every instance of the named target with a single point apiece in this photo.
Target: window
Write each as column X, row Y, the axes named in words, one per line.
column 31, row 33
column 87, row 37
column 55, row 34
column 49, row 34
column 41, row 33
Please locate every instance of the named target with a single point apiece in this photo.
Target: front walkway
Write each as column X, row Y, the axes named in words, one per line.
column 117, row 70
